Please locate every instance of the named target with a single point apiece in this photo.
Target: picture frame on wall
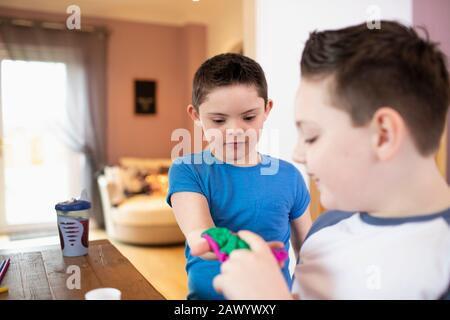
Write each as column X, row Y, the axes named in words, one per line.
column 145, row 97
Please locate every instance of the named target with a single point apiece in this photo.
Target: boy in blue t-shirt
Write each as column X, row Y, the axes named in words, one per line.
column 230, row 184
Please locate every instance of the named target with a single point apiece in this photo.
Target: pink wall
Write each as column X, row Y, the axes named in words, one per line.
column 167, row 54
column 435, row 16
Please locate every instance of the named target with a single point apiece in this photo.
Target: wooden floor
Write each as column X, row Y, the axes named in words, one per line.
column 163, row 267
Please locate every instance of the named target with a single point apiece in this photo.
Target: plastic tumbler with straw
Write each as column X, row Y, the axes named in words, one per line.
column 73, row 225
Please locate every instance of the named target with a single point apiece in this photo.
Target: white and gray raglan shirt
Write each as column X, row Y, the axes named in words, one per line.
column 359, row 256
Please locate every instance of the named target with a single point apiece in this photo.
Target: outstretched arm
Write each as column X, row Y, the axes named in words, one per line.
column 193, row 216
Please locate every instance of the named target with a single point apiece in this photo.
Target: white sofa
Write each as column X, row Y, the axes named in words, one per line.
column 140, row 219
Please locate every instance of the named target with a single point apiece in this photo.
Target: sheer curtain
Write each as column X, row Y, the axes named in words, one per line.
column 84, row 54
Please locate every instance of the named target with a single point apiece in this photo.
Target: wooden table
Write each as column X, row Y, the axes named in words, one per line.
column 43, row 273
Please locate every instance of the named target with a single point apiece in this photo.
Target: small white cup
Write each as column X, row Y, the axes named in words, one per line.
column 103, row 294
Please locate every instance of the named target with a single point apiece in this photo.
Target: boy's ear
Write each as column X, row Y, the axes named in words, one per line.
column 388, row 132
column 268, row 108
column 192, row 112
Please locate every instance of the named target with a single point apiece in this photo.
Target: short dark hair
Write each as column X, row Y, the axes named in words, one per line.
column 225, row 70
column 391, row 66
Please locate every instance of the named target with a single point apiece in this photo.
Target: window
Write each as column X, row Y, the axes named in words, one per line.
column 38, row 169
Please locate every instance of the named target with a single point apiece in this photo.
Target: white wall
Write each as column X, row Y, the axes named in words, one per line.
column 281, row 27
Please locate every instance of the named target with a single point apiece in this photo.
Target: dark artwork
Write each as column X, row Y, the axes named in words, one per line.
column 145, row 97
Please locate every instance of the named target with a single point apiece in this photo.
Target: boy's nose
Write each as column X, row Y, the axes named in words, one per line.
column 234, row 132
column 234, row 124
column 299, row 152
column 299, row 159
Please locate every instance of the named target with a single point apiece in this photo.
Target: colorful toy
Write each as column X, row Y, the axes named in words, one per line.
column 222, row 242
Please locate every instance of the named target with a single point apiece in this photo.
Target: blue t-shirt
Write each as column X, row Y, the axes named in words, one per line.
column 263, row 198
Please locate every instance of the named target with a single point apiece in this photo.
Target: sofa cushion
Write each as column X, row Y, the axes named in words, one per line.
column 144, row 210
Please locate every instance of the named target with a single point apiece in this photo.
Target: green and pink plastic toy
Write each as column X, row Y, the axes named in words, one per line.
column 222, row 242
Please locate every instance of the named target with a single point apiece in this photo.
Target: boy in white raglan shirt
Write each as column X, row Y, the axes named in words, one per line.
column 371, row 110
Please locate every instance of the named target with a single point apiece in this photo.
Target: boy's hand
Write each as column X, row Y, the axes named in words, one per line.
column 199, row 246
column 252, row 274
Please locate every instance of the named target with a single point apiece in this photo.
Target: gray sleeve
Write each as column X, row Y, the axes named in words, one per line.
column 327, row 219
column 447, row 217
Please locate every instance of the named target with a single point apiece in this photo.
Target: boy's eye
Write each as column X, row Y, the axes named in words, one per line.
column 310, row 140
column 249, row 118
column 218, row 121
